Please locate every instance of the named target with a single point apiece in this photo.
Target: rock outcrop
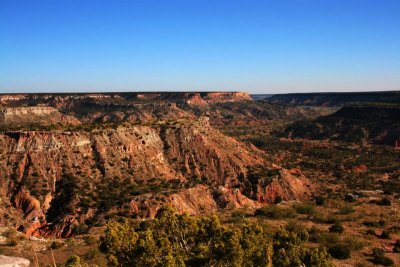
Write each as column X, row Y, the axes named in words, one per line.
column 7, row 261
column 53, row 177
column 129, row 153
column 49, row 174
column 42, row 115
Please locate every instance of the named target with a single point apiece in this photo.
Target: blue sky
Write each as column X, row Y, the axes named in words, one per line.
column 257, row 46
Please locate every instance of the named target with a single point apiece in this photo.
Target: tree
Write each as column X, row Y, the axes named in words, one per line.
column 181, row 240
column 289, row 250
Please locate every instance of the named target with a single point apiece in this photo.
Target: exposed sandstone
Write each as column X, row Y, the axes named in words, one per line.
column 7, row 261
column 33, row 162
column 288, row 185
column 34, row 115
column 52, row 178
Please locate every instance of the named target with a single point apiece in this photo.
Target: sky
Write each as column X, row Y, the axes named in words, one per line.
column 279, row 46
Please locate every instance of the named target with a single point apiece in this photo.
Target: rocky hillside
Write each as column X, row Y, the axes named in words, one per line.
column 56, row 181
column 335, row 99
column 374, row 124
column 64, row 101
column 223, row 108
column 35, row 115
column 254, row 112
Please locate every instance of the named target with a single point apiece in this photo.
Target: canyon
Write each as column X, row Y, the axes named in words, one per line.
column 73, row 165
column 56, row 179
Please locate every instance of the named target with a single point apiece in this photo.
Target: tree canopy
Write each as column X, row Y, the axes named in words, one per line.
column 173, row 239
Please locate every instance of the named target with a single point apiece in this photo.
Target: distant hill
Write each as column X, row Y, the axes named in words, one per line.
column 260, row 96
column 223, row 108
column 335, row 99
column 376, row 124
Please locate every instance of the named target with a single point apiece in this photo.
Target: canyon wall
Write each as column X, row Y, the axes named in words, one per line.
column 56, row 180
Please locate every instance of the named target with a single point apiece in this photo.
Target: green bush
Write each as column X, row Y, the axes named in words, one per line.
column 378, row 257
column 275, row 212
column 346, row 210
column 350, row 198
column 396, row 248
column 304, row 208
column 182, row 240
column 91, row 254
column 74, row 261
column 339, row 252
column 278, row 200
column 300, row 230
column 385, row 201
column 89, row 240
column 325, row 238
column 354, row 244
column 370, row 232
column 81, row 229
column 289, row 250
column 12, row 242
column 319, row 200
column 238, row 215
column 56, row 244
column 374, row 223
column 385, row 234
column 336, row 228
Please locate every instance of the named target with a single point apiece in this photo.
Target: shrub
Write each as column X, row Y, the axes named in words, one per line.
column 81, row 229
column 339, row 252
column 75, row 261
column 385, row 234
column 350, row 198
column 396, row 248
column 370, row 232
column 314, row 234
column 181, row 240
column 278, row 200
column 378, row 257
column 374, row 223
column 12, row 242
column 385, row 201
column 89, row 240
column 56, row 245
column 318, row 217
column 238, row 215
column 300, row 230
column 331, row 219
column 354, row 244
column 325, row 238
column 289, row 250
column 336, row 228
column 346, row 210
column 319, row 200
column 91, row 254
column 394, row 229
column 275, row 212
column 303, row 208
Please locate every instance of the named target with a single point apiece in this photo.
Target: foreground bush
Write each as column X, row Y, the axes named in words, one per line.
column 181, row 240
column 289, row 250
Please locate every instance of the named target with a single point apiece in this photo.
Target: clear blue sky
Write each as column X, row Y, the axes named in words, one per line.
column 256, row 46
